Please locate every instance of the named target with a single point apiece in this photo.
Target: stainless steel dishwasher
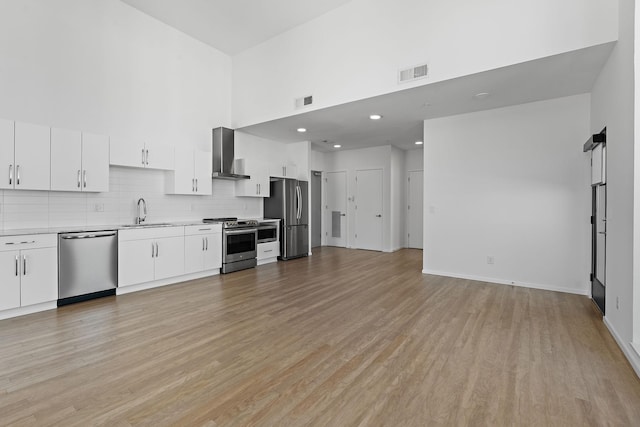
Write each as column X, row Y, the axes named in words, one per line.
column 87, row 265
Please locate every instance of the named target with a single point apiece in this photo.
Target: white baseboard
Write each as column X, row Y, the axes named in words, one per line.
column 164, row 282
column 543, row 287
column 21, row 311
column 629, row 349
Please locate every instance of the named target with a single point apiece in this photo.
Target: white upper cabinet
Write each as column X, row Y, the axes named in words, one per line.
column 7, row 154
column 95, row 162
column 203, row 168
column 598, row 164
column 79, row 161
column 159, row 156
column 282, row 170
column 258, row 184
column 30, row 169
column 192, row 173
column 66, row 160
column 137, row 154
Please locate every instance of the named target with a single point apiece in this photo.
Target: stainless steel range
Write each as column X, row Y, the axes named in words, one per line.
column 239, row 243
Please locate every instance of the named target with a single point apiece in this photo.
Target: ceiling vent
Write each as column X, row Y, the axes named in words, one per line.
column 413, row 73
column 304, row 101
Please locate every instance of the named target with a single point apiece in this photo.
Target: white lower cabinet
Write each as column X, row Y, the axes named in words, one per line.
column 28, row 270
column 148, row 254
column 202, row 248
column 9, row 280
column 268, row 252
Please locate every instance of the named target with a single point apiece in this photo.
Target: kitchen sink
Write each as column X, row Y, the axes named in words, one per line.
column 151, row 224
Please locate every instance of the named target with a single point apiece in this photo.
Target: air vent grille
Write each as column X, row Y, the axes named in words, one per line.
column 413, row 73
column 304, row 101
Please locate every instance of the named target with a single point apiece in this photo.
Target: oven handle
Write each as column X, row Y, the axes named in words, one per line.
column 243, row 231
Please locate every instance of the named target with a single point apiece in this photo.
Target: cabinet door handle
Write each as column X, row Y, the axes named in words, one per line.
column 153, row 250
column 207, row 239
column 24, row 265
column 147, row 152
column 17, row 266
column 196, row 185
column 203, row 243
column 157, row 252
column 270, row 250
column 143, row 156
column 84, row 178
column 10, row 174
column 18, row 175
column 78, row 178
column 259, row 188
column 193, row 185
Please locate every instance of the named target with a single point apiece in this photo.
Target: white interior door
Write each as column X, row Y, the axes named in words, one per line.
column 414, row 209
column 336, row 209
column 368, row 209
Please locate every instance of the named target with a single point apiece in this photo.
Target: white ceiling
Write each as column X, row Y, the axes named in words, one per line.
column 234, row 25
column 566, row 74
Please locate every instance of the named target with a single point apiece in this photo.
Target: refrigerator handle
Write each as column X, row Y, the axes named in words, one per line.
column 298, row 202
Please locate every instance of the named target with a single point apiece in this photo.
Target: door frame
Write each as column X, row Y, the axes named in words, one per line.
column 407, row 210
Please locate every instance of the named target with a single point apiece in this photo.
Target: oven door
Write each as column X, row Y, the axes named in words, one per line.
column 267, row 233
column 239, row 244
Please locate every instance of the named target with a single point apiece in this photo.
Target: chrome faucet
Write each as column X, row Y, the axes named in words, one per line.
column 140, row 219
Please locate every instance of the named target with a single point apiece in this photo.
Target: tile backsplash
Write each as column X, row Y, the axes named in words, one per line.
column 37, row 209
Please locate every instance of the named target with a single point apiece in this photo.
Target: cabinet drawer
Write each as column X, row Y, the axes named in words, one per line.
column 150, row 233
column 268, row 250
column 195, row 230
column 28, row 241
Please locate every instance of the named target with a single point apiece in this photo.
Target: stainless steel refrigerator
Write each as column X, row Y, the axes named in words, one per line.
column 289, row 202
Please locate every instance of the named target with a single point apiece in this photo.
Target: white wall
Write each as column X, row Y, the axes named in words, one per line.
column 414, row 159
column 398, row 209
column 613, row 107
column 355, row 51
column 104, row 67
column 512, row 183
column 317, row 160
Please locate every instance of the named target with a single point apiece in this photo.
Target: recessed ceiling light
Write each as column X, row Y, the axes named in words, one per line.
column 302, row 130
column 418, row 142
column 481, row 95
column 337, row 145
column 375, row 117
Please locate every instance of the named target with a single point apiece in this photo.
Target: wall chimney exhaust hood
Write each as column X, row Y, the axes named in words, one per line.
column 223, row 153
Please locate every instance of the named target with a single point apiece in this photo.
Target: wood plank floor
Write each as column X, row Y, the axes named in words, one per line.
column 342, row 338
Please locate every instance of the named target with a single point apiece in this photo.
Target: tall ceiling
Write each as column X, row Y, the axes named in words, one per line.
column 234, row 25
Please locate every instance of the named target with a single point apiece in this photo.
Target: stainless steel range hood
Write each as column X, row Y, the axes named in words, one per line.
column 223, row 155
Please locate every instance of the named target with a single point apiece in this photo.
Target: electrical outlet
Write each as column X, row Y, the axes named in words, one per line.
column 490, row 259
column 99, row 207
column 617, row 303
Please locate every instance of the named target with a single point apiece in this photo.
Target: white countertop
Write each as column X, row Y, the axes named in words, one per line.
column 89, row 228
